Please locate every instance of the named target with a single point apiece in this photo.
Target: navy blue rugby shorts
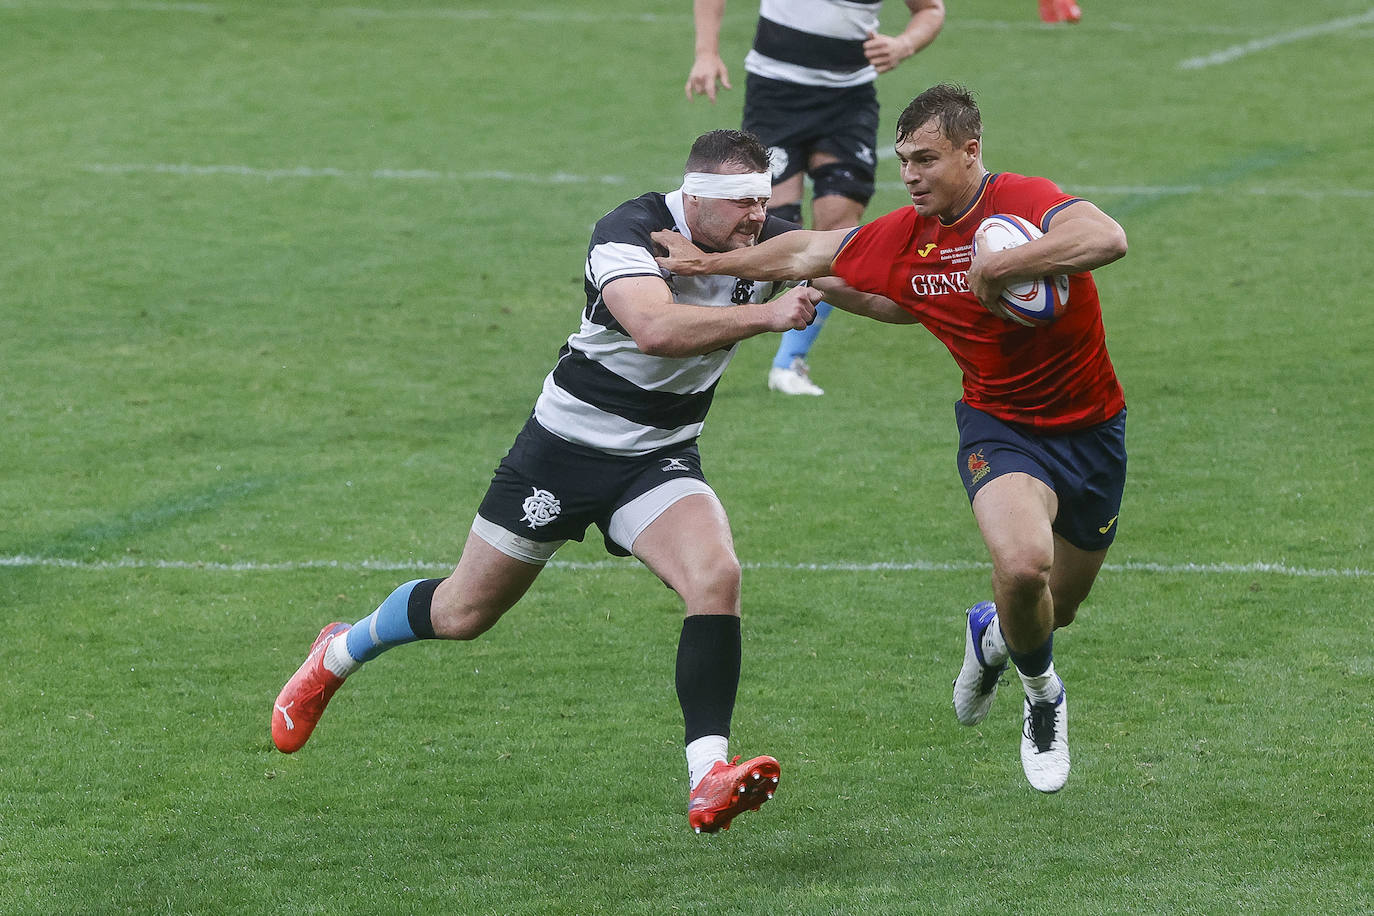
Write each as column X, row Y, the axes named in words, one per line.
column 1085, row 468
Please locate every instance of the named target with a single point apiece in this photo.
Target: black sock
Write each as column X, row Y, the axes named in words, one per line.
column 1035, row 662
column 708, row 664
column 418, row 608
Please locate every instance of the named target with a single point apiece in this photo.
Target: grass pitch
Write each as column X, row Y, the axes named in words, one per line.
column 278, row 287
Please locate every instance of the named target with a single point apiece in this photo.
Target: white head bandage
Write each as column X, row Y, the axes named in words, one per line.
column 746, row 186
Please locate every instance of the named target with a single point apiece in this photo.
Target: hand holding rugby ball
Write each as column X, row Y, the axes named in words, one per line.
column 1034, row 303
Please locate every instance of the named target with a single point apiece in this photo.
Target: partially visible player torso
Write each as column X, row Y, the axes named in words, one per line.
column 1054, row 378
column 814, row 42
column 604, row 392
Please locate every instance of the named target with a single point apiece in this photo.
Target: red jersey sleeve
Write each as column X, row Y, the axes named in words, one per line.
column 1036, row 199
column 869, row 259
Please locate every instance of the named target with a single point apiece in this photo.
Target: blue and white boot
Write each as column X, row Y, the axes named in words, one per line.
column 976, row 684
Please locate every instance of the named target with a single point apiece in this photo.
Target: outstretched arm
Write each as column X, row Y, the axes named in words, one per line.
column 644, row 306
column 707, row 67
column 870, row 305
column 885, row 52
column 802, row 254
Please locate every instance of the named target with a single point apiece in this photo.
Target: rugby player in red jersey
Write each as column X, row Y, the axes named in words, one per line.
column 1042, row 419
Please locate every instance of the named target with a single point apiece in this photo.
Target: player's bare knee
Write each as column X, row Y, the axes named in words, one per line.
column 1025, row 574
column 713, row 585
column 458, row 619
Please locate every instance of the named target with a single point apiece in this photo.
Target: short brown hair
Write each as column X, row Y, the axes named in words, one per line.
column 727, row 147
column 950, row 104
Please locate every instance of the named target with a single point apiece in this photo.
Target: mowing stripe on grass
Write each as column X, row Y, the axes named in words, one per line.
column 497, row 175
column 556, row 16
column 1235, row 52
column 1280, row 569
column 151, row 516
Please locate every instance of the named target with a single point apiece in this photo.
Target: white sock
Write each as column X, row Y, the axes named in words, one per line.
column 703, row 753
column 1043, row 688
column 337, row 661
column 993, row 646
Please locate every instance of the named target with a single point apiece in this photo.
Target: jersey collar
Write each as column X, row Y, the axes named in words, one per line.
column 673, row 200
column 977, row 198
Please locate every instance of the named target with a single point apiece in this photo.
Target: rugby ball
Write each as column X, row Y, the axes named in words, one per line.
column 1034, row 303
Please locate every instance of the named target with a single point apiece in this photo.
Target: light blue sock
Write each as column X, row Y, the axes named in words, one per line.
column 394, row 623
column 798, row 343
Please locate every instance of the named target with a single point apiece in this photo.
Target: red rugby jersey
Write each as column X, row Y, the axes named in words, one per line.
column 1056, row 378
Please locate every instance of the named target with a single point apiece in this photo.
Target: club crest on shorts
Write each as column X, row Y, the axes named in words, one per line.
column 540, row 508
column 978, row 466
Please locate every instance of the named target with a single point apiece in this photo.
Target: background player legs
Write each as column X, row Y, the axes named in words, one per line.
column 831, row 211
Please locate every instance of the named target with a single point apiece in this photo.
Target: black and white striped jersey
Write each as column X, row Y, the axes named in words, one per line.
column 606, row 394
column 814, row 42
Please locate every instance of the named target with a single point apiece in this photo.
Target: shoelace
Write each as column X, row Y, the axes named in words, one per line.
column 1039, row 726
column 991, row 678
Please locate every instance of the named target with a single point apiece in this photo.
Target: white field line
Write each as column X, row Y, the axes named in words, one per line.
column 108, row 6
column 1235, row 52
column 440, row 13
column 554, row 178
column 310, row 172
column 1258, row 568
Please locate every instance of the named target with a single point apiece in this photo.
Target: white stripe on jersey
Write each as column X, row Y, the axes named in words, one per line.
column 768, row 68
column 831, row 18
column 619, row 354
column 577, row 421
column 827, row 18
column 617, row 259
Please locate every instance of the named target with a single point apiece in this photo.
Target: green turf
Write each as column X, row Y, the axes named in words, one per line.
column 279, row 283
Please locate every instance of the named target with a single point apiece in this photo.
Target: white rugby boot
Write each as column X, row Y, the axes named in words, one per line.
column 1045, row 742
column 794, row 379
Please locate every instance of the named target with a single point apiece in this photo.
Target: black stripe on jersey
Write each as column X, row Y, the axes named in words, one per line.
column 631, row 222
column 806, row 50
column 589, row 381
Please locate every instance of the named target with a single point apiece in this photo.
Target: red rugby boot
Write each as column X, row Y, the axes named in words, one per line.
column 729, row 789
column 1060, row 11
column 301, row 702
